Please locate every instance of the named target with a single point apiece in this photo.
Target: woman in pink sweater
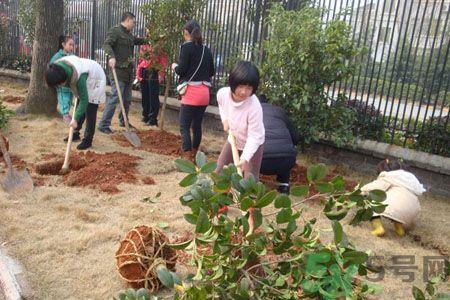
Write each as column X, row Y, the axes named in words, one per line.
column 241, row 113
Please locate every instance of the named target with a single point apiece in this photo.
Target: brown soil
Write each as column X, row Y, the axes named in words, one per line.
column 299, row 177
column 148, row 180
column 156, row 141
column 104, row 171
column 17, row 162
column 13, row 99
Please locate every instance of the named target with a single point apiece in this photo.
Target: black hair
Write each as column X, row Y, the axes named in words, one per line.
column 63, row 39
column 389, row 165
column 194, row 30
column 55, row 75
column 127, row 15
column 244, row 73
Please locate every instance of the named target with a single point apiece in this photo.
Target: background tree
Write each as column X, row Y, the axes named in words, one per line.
column 49, row 25
column 165, row 21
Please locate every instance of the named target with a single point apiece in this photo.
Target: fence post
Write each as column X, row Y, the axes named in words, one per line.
column 93, row 29
column 256, row 28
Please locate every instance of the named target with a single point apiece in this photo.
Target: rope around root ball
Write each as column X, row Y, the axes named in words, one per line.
column 148, row 256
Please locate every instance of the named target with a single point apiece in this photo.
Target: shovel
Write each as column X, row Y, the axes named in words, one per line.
column 16, row 182
column 232, row 140
column 128, row 134
column 65, row 166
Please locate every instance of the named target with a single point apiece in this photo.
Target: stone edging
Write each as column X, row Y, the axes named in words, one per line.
column 415, row 158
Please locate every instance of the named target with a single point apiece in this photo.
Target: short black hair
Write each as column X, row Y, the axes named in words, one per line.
column 55, row 75
column 390, row 165
column 127, row 15
column 244, row 73
column 194, row 30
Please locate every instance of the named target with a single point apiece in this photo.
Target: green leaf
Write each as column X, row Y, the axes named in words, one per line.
column 257, row 218
column 377, row 195
column 338, row 232
column 188, row 180
column 266, row 199
column 316, row 172
column 191, row 218
column 245, row 225
column 185, row 166
column 283, row 201
column 260, row 189
column 209, row 167
column 355, row 257
column 142, row 294
column 338, row 183
column 246, row 203
column 200, row 159
column 292, row 226
column 202, row 222
column 336, row 215
column 417, row 293
column 300, row 191
column 284, row 215
column 180, row 246
column 430, row 289
column 165, row 277
column 324, row 187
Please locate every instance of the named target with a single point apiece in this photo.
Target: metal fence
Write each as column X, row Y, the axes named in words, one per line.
column 404, row 75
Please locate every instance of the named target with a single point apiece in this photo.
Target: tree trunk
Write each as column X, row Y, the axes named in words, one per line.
column 49, row 25
column 166, row 95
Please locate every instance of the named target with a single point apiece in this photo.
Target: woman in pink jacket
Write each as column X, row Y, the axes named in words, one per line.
column 242, row 115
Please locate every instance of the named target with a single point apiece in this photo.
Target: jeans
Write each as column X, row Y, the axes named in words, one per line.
column 150, row 98
column 191, row 117
column 280, row 166
column 91, row 117
column 111, row 102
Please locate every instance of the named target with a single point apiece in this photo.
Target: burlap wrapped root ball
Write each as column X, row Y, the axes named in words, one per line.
column 140, row 253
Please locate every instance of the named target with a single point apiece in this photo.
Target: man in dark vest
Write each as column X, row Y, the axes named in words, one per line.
column 279, row 148
column 119, row 46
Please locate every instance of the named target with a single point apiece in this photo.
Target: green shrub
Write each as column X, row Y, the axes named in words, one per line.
column 5, row 113
column 303, row 55
column 435, row 136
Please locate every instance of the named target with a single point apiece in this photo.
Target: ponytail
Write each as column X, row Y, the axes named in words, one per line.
column 194, row 30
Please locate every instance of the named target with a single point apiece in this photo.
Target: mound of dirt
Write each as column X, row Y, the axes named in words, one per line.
column 156, row 141
column 103, row 171
column 13, row 99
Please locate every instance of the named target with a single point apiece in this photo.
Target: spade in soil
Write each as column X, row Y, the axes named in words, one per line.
column 16, row 182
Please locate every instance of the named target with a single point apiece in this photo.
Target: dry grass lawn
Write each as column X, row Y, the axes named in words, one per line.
column 66, row 237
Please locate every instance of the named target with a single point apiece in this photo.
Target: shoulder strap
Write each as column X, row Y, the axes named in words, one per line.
column 198, row 67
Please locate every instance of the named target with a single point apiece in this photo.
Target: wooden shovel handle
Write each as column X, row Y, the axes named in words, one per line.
column 69, row 140
column 119, row 93
column 234, row 151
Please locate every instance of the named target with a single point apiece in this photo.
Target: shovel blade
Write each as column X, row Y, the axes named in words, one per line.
column 18, row 182
column 132, row 138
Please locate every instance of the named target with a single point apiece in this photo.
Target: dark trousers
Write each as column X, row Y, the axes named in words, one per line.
column 150, row 98
column 91, row 118
column 280, row 166
column 191, row 117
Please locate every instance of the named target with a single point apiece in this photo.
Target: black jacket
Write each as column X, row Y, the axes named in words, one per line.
column 190, row 56
column 281, row 136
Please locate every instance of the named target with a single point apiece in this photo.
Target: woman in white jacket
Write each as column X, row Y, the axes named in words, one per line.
column 402, row 190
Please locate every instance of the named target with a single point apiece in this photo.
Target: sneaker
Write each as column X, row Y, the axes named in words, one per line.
column 67, row 119
column 75, row 137
column 284, row 189
column 84, row 145
column 105, row 130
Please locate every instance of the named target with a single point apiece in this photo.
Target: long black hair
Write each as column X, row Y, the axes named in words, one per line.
column 194, row 30
column 62, row 39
